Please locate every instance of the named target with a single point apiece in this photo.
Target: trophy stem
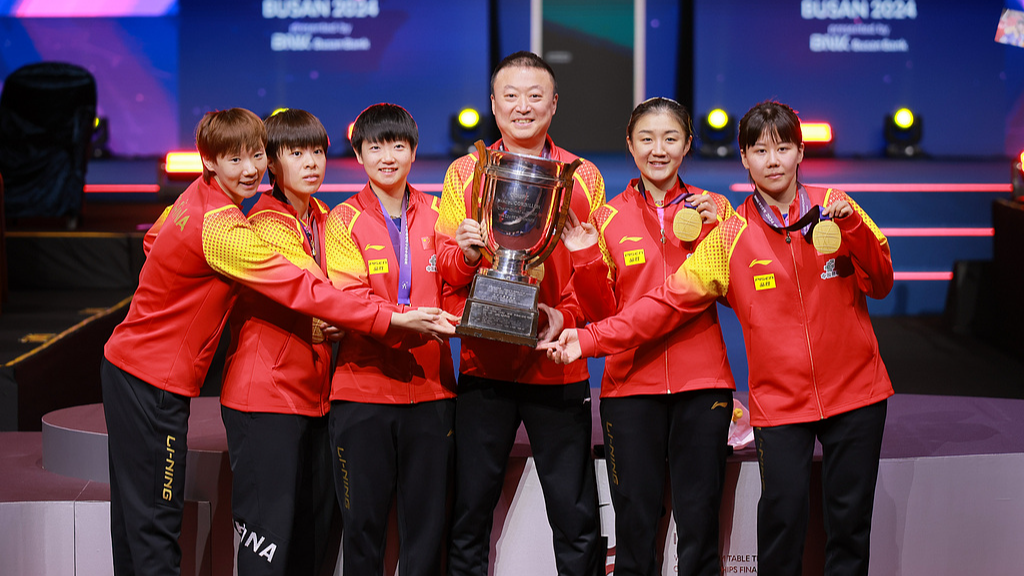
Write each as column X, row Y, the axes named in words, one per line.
column 510, row 265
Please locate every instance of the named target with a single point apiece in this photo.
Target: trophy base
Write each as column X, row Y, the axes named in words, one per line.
column 501, row 310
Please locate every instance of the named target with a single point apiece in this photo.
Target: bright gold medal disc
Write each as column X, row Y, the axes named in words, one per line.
column 687, row 224
column 827, row 237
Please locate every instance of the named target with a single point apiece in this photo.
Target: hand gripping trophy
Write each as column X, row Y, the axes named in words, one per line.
column 521, row 203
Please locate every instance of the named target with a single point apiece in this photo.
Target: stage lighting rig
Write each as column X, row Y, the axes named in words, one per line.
column 98, row 144
column 817, row 138
column 177, row 171
column 903, row 134
column 717, row 135
column 467, row 127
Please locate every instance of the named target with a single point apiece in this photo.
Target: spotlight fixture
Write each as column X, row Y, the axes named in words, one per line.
column 98, row 144
column 177, row 171
column 468, row 126
column 469, row 118
column 903, row 134
column 717, row 134
column 182, row 164
column 817, row 138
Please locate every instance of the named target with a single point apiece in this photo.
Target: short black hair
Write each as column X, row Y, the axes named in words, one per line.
column 523, row 59
column 781, row 122
column 384, row 122
column 294, row 128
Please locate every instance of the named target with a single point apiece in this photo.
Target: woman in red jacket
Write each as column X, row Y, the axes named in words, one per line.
column 392, row 399
column 797, row 264
column 276, row 381
column 666, row 405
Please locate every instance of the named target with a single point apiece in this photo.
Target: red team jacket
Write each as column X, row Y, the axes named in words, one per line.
column 635, row 254
column 498, row 360
column 278, row 360
column 362, row 262
column 811, row 350
column 197, row 250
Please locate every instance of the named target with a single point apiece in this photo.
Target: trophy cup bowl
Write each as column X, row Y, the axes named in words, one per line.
column 521, row 203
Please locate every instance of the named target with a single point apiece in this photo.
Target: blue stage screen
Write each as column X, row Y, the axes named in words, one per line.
column 852, row 62
column 160, row 64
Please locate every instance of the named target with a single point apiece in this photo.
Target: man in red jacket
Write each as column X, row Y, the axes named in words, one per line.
column 502, row 385
column 156, row 359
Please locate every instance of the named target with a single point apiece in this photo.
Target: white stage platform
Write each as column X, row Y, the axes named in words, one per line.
column 949, row 499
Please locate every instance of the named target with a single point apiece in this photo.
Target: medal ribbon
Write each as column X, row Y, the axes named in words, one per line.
column 683, row 195
column 310, row 231
column 400, row 243
column 809, row 215
column 312, row 236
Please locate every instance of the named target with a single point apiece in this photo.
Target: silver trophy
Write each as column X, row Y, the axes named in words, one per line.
column 521, row 203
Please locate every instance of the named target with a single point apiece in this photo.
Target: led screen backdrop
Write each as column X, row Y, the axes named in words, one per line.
column 851, row 62
column 160, row 65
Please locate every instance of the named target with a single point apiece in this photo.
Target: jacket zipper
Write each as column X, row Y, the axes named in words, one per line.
column 807, row 335
column 664, row 342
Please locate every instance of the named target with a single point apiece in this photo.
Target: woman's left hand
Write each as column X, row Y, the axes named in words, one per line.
column 705, row 206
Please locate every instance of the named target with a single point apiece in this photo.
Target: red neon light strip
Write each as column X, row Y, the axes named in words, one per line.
column 894, row 232
column 921, row 187
column 923, row 276
column 121, row 188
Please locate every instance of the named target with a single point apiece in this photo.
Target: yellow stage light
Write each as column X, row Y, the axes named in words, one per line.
column 718, row 118
column 904, row 118
column 469, row 118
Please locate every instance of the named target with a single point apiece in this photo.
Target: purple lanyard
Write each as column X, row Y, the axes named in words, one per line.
column 769, row 216
column 684, row 194
column 400, row 243
column 312, row 236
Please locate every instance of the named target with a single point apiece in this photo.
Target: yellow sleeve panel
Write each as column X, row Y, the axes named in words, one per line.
column 708, row 267
column 602, row 217
column 722, row 205
column 345, row 263
column 453, row 195
column 284, row 234
column 282, row 231
column 232, row 247
column 832, row 196
column 587, row 172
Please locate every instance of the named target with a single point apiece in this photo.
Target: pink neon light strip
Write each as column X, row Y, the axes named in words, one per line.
column 881, row 187
column 77, row 9
column 154, row 188
column 122, row 188
column 357, row 187
column 895, row 232
column 923, row 276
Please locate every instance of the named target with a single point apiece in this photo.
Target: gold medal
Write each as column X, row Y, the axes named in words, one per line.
column 687, row 224
column 827, row 237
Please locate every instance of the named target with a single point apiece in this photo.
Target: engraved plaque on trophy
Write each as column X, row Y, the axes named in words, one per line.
column 521, row 203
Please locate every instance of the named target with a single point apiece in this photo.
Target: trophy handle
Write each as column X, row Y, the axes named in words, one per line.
column 476, row 200
column 555, row 232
